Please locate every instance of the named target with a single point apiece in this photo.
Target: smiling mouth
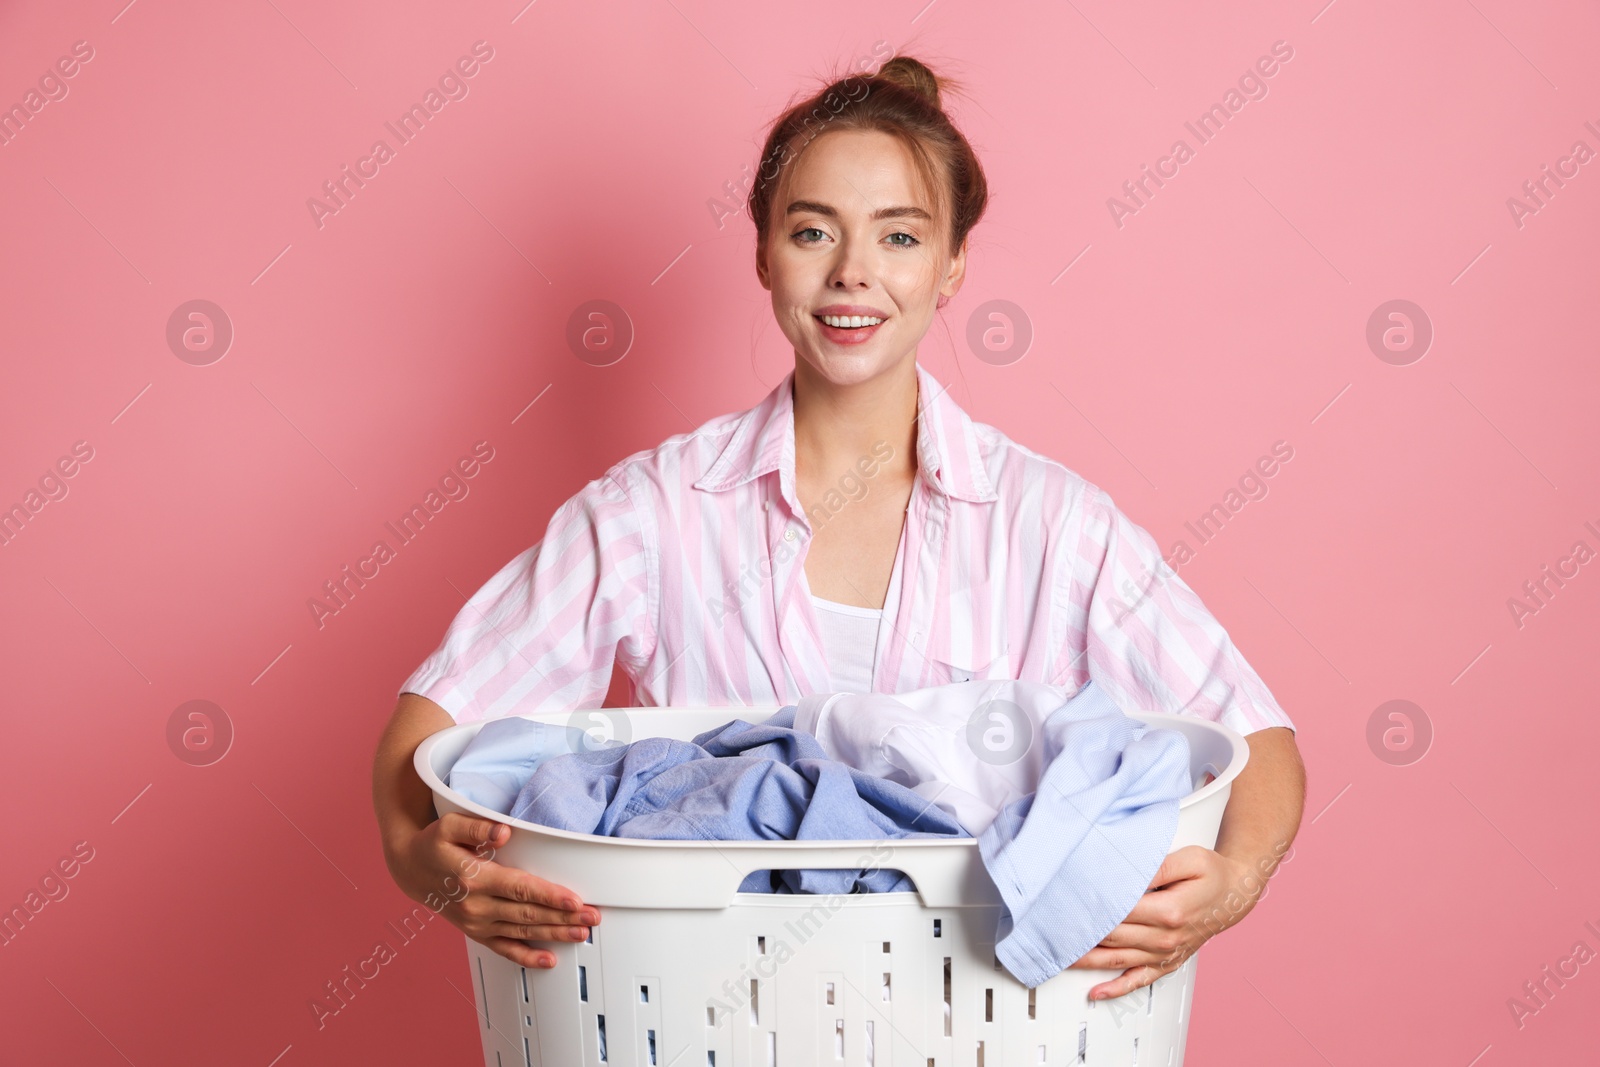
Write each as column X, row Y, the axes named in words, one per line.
column 850, row 322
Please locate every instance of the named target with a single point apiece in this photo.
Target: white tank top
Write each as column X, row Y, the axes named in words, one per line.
column 850, row 642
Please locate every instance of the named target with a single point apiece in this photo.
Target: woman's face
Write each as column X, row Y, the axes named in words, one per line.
column 853, row 235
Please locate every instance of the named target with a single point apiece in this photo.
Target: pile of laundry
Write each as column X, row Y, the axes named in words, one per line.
column 1073, row 803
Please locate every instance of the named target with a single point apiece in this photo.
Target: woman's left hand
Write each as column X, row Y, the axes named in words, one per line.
column 1196, row 894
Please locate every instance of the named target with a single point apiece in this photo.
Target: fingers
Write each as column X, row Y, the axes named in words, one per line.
column 1130, row 944
column 1125, row 983
column 1186, row 862
column 518, row 953
column 540, row 931
column 507, row 886
column 471, row 832
column 1128, row 934
column 1110, row 959
column 1117, row 959
column 508, row 904
column 523, row 897
column 1140, row 966
column 498, row 909
column 503, row 907
column 1160, row 908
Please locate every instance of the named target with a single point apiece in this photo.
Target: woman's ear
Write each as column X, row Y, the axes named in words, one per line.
column 956, row 273
column 762, row 274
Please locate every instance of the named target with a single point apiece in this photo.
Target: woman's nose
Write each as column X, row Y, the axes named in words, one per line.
column 848, row 273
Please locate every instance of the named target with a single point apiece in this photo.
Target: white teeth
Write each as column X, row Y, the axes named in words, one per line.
column 850, row 321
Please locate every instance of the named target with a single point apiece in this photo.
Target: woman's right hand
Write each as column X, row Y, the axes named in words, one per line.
column 450, row 862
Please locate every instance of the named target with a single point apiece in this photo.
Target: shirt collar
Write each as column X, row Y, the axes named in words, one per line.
column 948, row 456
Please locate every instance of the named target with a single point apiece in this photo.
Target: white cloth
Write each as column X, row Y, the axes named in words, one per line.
column 849, row 641
column 968, row 747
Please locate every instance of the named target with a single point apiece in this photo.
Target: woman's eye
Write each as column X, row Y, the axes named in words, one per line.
column 909, row 242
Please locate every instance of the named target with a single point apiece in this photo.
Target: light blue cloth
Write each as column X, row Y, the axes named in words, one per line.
column 496, row 763
column 1073, row 859
column 741, row 781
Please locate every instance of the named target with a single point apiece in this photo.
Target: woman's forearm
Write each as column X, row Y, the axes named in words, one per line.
column 402, row 802
column 1265, row 803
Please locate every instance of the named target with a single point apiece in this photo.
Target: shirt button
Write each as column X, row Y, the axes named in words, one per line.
column 788, row 535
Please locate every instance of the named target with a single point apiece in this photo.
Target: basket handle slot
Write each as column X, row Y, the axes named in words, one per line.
column 940, row 876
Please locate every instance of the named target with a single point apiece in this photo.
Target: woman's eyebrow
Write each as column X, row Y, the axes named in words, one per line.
column 812, row 207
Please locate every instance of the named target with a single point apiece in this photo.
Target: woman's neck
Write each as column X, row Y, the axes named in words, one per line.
column 838, row 426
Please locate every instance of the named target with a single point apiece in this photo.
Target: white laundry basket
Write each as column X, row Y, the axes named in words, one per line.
column 685, row 971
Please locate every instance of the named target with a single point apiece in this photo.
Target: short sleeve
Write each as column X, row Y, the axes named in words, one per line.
column 1147, row 638
column 544, row 633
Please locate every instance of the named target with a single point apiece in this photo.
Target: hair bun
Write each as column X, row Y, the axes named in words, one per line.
column 911, row 74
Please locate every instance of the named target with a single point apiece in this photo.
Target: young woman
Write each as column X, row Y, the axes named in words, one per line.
column 854, row 531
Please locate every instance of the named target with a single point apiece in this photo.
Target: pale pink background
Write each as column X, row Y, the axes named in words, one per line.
column 1228, row 314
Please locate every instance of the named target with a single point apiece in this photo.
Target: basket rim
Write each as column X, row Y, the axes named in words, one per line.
column 422, row 761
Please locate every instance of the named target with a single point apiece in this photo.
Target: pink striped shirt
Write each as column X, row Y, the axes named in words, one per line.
column 684, row 564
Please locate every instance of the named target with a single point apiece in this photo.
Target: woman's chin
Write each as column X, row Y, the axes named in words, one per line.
column 843, row 367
